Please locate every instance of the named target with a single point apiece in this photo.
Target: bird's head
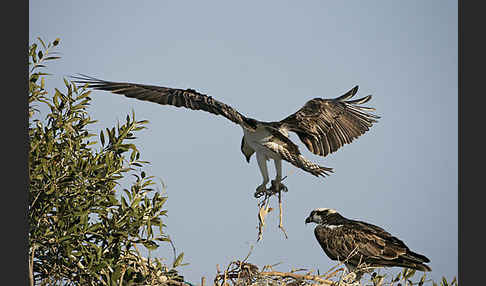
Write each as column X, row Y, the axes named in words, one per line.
column 246, row 150
column 321, row 215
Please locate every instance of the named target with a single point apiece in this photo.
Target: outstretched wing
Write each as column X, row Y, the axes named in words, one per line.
column 187, row 98
column 325, row 125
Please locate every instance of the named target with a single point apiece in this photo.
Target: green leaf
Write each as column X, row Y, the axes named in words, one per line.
column 409, row 273
column 56, row 42
column 178, row 260
column 124, row 203
column 42, row 42
column 150, row 245
column 51, row 58
column 84, row 95
column 397, row 277
column 66, row 82
column 75, row 200
column 34, row 77
column 422, row 280
column 51, row 189
column 102, row 138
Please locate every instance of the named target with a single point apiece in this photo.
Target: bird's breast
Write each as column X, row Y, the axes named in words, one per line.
column 256, row 140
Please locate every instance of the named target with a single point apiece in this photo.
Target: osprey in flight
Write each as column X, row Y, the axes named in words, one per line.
column 360, row 243
column 323, row 125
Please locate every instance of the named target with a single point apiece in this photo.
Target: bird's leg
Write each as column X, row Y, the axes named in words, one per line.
column 262, row 164
column 277, row 185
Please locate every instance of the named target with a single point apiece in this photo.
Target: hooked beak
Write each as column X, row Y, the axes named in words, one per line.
column 308, row 220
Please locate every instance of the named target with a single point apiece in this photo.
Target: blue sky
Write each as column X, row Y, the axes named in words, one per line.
column 266, row 59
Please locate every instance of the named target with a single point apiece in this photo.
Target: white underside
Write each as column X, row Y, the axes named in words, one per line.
column 256, row 141
column 330, row 226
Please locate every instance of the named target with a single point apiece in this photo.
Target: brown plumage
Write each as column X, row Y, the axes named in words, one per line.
column 323, row 125
column 359, row 243
column 298, row 160
column 187, row 98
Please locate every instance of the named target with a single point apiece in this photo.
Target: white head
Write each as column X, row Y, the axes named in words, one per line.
column 320, row 215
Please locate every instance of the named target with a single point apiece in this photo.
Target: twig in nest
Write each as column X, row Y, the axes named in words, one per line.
column 327, row 275
column 297, row 276
column 270, row 267
column 333, row 273
column 239, row 270
column 249, row 253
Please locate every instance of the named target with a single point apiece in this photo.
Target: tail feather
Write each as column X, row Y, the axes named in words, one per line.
column 416, row 266
column 415, row 261
column 403, row 263
column 418, row 256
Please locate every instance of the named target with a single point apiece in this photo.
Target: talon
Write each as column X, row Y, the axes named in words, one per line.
column 260, row 191
column 270, row 191
column 278, row 186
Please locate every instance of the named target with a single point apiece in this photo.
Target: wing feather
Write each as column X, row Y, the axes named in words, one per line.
column 297, row 159
column 360, row 242
column 325, row 125
column 187, row 98
column 379, row 247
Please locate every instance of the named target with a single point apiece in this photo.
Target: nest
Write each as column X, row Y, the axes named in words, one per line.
column 239, row 273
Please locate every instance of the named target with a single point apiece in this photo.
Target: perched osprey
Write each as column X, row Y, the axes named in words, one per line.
column 323, row 125
column 360, row 243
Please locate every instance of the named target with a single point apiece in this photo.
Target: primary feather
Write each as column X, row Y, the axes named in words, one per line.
column 357, row 242
column 323, row 125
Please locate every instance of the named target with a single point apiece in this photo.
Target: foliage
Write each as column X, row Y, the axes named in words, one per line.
column 82, row 231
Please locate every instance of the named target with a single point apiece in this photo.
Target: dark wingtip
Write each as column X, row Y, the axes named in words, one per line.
column 360, row 100
column 424, row 267
column 348, row 94
column 323, row 171
column 84, row 79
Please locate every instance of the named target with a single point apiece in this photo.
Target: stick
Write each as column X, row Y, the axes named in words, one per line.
column 297, row 276
column 31, row 267
column 280, row 225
